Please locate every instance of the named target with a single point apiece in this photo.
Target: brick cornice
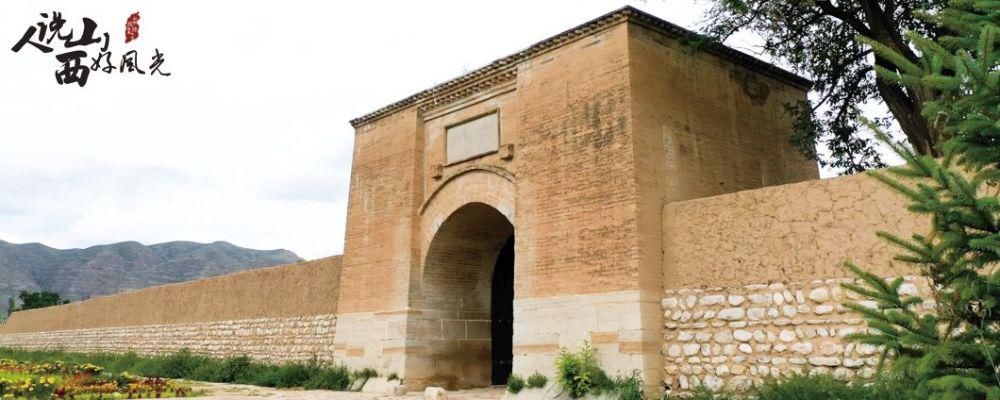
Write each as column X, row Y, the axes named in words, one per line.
column 505, row 69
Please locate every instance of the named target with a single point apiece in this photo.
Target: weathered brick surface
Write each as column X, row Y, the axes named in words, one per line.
column 702, row 126
column 727, row 129
column 576, row 193
column 380, row 214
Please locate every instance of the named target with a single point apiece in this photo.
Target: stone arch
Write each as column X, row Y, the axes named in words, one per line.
column 472, row 169
column 476, row 183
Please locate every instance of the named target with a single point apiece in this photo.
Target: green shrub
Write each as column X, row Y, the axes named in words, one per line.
column 254, row 374
column 515, row 383
column 208, row 372
column 393, row 377
column 577, row 373
column 819, row 386
column 288, row 375
column 186, row 365
column 823, row 386
column 233, row 369
column 623, row 387
column 702, row 392
column 180, row 364
column 812, row 386
column 537, row 380
column 361, row 376
column 148, row 367
column 329, row 378
column 117, row 363
column 366, row 373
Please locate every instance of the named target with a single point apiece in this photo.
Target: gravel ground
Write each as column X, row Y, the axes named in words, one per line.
column 223, row 391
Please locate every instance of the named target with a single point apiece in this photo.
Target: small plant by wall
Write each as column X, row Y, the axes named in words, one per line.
column 537, row 381
column 578, row 374
column 515, row 383
column 626, row 387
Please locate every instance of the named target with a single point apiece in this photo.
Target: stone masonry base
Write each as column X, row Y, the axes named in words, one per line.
column 732, row 337
column 265, row 339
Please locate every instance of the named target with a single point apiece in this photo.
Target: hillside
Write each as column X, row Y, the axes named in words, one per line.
column 106, row 269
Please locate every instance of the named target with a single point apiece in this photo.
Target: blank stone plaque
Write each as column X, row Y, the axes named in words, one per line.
column 473, row 138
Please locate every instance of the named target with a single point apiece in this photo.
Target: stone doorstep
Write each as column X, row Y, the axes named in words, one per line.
column 382, row 385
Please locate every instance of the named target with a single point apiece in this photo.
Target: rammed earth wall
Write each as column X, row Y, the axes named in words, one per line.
column 277, row 314
column 752, row 279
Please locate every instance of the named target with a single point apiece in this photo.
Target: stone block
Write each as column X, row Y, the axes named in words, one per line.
column 435, row 393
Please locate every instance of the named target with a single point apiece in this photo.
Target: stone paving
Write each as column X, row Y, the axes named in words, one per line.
column 221, row 391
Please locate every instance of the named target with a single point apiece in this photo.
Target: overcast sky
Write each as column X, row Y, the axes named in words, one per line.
column 248, row 141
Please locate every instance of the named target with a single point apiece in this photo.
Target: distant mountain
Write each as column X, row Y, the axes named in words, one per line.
column 83, row 273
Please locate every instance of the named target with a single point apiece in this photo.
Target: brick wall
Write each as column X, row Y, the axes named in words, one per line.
column 380, row 214
column 575, row 188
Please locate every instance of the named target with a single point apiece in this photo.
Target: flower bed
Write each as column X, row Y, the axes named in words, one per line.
column 58, row 380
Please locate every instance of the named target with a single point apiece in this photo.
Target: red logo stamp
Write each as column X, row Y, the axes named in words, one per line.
column 132, row 27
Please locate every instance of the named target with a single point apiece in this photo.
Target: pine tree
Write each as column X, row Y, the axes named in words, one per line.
column 954, row 351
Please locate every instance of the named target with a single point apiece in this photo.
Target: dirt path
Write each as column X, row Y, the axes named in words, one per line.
column 224, row 391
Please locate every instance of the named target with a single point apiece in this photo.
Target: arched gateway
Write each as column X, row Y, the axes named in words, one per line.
column 585, row 135
column 461, row 294
column 467, row 288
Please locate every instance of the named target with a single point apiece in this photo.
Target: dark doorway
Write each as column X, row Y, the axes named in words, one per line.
column 502, row 314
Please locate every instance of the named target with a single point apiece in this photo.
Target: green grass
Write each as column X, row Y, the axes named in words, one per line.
column 187, row 365
column 18, row 376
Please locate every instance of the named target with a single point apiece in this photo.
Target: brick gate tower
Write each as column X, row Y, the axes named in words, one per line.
column 517, row 209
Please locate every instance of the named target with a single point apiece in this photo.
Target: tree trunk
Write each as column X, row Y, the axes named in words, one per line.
column 907, row 113
column 905, row 104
